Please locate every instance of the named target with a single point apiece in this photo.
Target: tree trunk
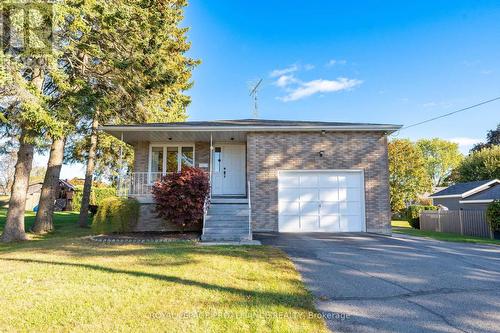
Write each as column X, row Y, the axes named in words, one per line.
column 44, row 215
column 14, row 224
column 89, row 174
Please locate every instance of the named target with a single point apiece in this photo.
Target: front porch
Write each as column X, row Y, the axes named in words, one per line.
column 222, row 155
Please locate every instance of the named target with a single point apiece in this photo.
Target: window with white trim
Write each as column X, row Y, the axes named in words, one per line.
column 170, row 158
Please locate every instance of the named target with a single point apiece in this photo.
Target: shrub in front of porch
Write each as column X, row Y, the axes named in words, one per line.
column 180, row 197
column 116, row 215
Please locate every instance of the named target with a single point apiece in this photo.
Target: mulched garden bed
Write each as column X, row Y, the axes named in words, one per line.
column 147, row 237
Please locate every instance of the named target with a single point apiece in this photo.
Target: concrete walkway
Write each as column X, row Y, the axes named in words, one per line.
column 369, row 283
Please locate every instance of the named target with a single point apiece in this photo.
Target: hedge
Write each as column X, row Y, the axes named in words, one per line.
column 413, row 214
column 97, row 195
column 116, row 215
column 493, row 215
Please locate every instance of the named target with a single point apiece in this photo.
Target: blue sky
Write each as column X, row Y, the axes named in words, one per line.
column 355, row 61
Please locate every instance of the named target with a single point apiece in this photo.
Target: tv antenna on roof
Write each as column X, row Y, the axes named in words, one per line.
column 253, row 92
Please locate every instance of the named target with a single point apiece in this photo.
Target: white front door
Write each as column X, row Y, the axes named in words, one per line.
column 228, row 170
column 321, row 201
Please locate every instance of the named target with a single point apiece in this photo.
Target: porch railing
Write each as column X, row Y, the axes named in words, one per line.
column 138, row 183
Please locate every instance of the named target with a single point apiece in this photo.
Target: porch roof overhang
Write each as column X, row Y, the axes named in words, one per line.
column 230, row 130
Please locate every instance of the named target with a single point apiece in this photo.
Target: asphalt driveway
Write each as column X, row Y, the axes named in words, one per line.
column 369, row 283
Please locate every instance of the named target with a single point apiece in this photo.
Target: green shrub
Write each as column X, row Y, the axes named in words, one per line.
column 97, row 195
column 116, row 215
column 493, row 215
column 413, row 214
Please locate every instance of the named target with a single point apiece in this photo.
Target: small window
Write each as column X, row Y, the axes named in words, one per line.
column 217, row 159
column 172, row 162
column 157, row 159
column 187, row 157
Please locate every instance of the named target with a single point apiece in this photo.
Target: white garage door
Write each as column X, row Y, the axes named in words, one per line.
column 321, row 201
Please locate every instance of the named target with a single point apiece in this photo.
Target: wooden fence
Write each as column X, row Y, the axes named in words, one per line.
column 463, row 222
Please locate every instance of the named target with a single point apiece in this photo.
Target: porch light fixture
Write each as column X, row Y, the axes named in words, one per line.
column 323, row 132
column 232, row 139
column 321, row 153
column 170, row 139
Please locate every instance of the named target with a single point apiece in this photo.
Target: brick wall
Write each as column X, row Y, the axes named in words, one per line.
column 269, row 152
column 148, row 221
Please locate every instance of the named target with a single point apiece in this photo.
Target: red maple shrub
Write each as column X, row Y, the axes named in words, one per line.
column 180, row 197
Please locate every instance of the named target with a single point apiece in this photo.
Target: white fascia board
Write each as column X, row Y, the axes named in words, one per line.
column 445, row 196
column 479, row 188
column 475, row 201
column 249, row 128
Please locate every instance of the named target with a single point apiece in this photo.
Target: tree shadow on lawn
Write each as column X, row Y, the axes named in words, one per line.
column 300, row 300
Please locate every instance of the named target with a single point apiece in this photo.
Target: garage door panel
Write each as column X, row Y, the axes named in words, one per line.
column 329, row 208
column 353, row 180
column 330, row 223
column 329, row 194
column 289, row 208
column 308, row 180
column 309, row 208
column 289, row 181
column 309, row 195
column 309, row 223
column 328, row 180
column 350, row 223
column 289, row 194
column 289, row 223
column 350, row 208
column 353, row 194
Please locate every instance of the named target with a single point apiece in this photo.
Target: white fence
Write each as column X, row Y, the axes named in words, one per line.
column 463, row 222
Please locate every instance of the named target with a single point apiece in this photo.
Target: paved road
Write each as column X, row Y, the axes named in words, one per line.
column 397, row 284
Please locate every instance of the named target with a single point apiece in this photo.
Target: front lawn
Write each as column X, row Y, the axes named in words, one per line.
column 62, row 282
column 402, row 227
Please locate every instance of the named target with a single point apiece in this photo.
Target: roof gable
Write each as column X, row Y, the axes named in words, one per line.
column 492, row 193
column 460, row 189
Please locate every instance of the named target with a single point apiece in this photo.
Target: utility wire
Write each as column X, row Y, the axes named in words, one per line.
column 450, row 113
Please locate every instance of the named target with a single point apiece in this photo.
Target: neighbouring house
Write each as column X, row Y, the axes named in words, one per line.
column 475, row 195
column 64, row 196
column 267, row 175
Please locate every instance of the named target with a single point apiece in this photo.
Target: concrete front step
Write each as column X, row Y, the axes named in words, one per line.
column 210, row 238
column 223, row 211
column 226, row 217
column 226, row 224
column 229, row 200
column 226, row 230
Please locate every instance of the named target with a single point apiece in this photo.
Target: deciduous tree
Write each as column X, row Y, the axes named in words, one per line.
column 441, row 157
column 492, row 139
column 408, row 176
column 480, row 165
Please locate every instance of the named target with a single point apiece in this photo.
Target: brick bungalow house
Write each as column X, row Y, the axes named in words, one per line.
column 268, row 175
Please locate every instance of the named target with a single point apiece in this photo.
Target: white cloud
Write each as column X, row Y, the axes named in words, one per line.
column 464, row 143
column 334, row 62
column 285, row 80
column 309, row 67
column 306, row 89
column 284, row 71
